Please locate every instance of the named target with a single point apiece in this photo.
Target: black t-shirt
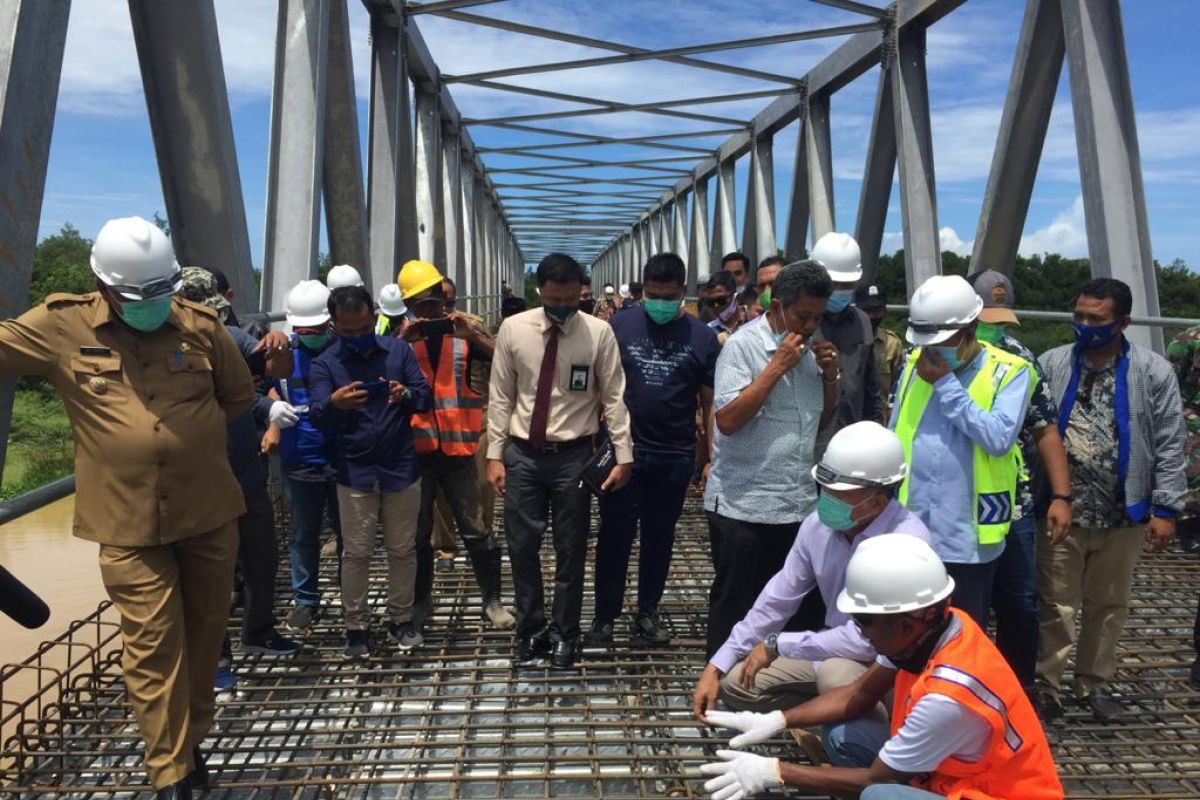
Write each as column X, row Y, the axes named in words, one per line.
column 665, row 365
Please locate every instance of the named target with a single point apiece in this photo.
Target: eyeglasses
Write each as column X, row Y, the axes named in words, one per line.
column 155, row 288
column 825, row 476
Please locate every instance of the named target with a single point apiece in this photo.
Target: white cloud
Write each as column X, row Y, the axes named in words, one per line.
column 1066, row 234
column 950, row 240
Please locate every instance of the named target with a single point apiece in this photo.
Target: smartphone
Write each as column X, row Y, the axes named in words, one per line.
column 376, row 388
column 437, row 327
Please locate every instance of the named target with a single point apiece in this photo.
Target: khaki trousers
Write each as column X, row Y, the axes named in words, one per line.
column 361, row 513
column 1091, row 570
column 788, row 682
column 444, row 540
column 174, row 605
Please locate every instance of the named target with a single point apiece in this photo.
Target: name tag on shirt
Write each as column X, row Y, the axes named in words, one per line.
column 579, row 377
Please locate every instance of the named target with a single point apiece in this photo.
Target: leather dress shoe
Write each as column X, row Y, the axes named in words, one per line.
column 564, row 655
column 533, row 650
column 198, row 777
column 180, row 790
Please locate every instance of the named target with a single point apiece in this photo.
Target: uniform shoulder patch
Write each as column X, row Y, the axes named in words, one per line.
column 66, row 298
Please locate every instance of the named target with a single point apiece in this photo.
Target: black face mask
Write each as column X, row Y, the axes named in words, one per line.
column 587, row 306
column 916, row 656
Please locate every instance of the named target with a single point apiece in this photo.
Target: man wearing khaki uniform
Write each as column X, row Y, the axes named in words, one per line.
column 149, row 383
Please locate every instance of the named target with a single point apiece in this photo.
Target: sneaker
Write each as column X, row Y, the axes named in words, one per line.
column 601, row 632
column 225, row 681
column 444, row 563
column 301, row 618
column 498, row 616
column 356, row 645
column 1194, row 677
column 274, row 645
column 405, row 635
column 648, row 629
column 1105, row 706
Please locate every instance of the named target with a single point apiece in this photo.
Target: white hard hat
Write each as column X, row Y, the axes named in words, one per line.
column 862, row 454
column 343, row 275
column 893, row 573
column 940, row 308
column 390, row 302
column 624, row 291
column 307, row 304
column 135, row 259
column 838, row 253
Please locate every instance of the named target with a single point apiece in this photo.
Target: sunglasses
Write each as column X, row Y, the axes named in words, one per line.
column 935, row 327
column 155, row 288
column 449, row 304
column 716, row 302
column 825, row 475
column 864, row 621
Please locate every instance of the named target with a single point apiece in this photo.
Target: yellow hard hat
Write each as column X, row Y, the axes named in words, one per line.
column 417, row 276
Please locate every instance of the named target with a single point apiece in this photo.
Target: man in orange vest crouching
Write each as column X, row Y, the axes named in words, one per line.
column 447, row 436
column 962, row 727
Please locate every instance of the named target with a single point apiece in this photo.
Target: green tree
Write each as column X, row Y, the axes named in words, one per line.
column 61, row 263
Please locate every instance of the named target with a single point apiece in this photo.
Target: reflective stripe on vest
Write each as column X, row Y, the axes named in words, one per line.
column 969, row 670
column 995, row 477
column 455, row 424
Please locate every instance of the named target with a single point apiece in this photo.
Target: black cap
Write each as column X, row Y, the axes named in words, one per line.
column 870, row 296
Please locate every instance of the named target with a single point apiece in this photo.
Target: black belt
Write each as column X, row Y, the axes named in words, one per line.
column 554, row 447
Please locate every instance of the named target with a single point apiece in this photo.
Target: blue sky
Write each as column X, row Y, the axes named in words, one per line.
column 102, row 159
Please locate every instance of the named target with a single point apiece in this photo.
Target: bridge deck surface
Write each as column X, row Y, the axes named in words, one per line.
column 453, row 720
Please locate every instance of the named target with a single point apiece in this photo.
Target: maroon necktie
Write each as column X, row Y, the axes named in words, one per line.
column 541, row 402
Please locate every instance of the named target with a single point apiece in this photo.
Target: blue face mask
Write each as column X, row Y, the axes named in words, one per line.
column 835, row 513
column 839, row 300
column 146, row 315
column 1090, row 337
column 949, row 355
column 360, row 344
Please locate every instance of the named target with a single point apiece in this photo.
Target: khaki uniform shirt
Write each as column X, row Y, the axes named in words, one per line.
column 889, row 360
column 588, row 381
column 149, row 412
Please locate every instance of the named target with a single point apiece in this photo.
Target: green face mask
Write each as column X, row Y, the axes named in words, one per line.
column 146, row 315
column 764, row 299
column 988, row 332
column 661, row 311
column 314, row 341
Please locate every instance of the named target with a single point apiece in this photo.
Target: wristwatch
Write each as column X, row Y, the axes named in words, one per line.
column 771, row 644
column 1056, row 496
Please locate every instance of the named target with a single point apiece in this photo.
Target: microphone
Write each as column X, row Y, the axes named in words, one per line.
column 21, row 604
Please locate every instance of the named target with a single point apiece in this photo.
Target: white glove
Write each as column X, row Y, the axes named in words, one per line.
column 755, row 728
column 741, row 775
column 283, row 415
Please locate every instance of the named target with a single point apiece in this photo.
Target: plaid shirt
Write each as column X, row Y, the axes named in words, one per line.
column 1156, row 428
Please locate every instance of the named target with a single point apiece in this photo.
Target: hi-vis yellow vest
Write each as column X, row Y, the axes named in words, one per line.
column 995, row 477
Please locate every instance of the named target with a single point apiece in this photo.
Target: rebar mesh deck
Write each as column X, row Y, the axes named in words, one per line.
column 454, row 720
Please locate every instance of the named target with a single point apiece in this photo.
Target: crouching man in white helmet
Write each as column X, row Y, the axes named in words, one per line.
column 961, row 724
column 761, row 666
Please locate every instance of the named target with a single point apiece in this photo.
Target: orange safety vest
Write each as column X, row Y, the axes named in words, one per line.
column 970, row 670
column 455, row 423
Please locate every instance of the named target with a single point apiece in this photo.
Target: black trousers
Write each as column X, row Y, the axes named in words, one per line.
column 745, row 556
column 258, row 555
column 541, row 486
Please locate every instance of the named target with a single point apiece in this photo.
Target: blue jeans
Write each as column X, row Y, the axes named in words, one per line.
column 1014, row 600
column 653, row 497
column 309, row 502
column 973, row 588
column 854, row 743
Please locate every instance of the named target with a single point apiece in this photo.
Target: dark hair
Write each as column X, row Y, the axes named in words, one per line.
column 222, row 281
column 1109, row 288
column 772, row 261
column 587, row 280
column 560, row 268
column 748, row 296
column 634, row 288
column 721, row 279
column 802, row 277
column 664, row 268
column 737, row 255
column 348, row 299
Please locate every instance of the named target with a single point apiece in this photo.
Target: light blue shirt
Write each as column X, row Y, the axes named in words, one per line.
column 762, row 472
column 941, row 480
